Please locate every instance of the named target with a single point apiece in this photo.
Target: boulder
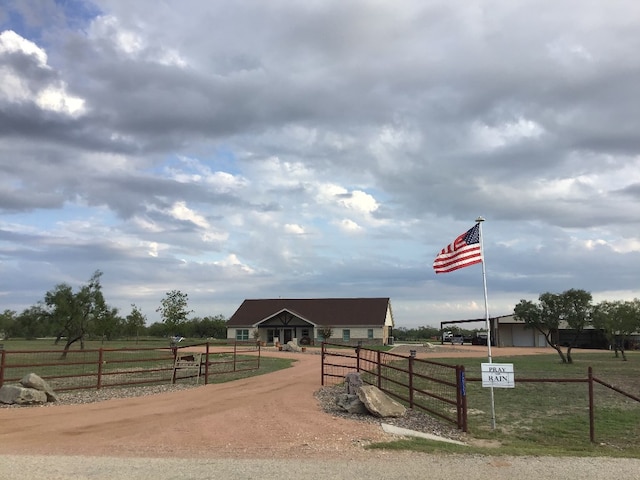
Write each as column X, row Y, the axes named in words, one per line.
column 293, row 347
column 16, row 394
column 378, row 403
column 351, row 404
column 34, row 381
column 353, row 382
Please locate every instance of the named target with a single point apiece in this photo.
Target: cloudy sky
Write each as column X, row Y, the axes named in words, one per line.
column 253, row 149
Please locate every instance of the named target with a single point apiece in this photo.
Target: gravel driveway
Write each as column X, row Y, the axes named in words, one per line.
column 258, row 428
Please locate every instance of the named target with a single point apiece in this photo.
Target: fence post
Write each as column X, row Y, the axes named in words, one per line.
column 100, row 361
column 358, row 356
column 592, row 433
column 461, row 397
column 3, row 354
column 379, row 361
column 322, row 364
column 206, row 364
column 235, row 355
column 411, row 359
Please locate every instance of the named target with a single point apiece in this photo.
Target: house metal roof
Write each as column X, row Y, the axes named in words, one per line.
column 333, row 312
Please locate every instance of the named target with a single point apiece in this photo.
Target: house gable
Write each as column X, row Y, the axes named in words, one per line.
column 285, row 318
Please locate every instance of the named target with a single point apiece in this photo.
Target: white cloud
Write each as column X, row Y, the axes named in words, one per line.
column 16, row 88
column 11, row 42
column 180, row 211
column 349, row 226
column 508, row 133
column 294, row 229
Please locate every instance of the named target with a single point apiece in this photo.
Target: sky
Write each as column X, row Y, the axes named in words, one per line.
column 252, row 149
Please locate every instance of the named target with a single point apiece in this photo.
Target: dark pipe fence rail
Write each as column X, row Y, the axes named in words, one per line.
column 116, row 367
column 433, row 387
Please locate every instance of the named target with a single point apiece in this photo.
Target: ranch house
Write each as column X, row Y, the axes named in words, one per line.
column 352, row 320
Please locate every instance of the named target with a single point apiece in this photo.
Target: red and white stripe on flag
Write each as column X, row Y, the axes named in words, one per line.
column 463, row 252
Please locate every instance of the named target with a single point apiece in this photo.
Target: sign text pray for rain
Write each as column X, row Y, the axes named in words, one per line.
column 499, row 375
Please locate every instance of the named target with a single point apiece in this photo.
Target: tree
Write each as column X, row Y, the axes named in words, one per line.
column 7, row 322
column 134, row 322
column 541, row 319
column 30, row 323
column 173, row 310
column 618, row 320
column 207, row 327
column 572, row 307
column 326, row 332
column 576, row 310
column 75, row 314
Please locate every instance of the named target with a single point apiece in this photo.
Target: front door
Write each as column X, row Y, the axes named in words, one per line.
column 288, row 335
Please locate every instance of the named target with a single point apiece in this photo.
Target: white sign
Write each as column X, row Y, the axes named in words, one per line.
column 499, row 375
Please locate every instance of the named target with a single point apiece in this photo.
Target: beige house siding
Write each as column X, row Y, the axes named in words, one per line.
column 354, row 321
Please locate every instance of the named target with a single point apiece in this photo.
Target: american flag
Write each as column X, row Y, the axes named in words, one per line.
column 464, row 251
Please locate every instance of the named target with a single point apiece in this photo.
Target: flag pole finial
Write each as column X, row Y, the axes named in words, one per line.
column 479, row 219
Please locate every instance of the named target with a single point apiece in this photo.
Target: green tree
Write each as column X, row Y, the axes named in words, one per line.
column 30, row 323
column 541, row 319
column 325, row 332
column 174, row 310
column 576, row 311
column 157, row 329
column 572, row 308
column 107, row 324
column 7, row 321
column 135, row 322
column 75, row 313
column 618, row 320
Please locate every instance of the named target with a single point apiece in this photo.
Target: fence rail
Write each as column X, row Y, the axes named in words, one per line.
column 114, row 367
column 433, row 387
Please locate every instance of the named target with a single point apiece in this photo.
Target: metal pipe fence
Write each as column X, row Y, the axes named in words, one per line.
column 433, row 387
column 570, row 398
column 116, row 367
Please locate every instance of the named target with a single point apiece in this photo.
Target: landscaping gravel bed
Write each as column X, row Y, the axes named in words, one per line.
column 412, row 420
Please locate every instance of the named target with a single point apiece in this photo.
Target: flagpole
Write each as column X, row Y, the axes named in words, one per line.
column 479, row 220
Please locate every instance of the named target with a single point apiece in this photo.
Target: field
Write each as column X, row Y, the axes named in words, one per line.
column 543, row 418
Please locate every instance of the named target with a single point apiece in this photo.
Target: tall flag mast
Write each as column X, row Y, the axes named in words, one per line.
column 466, row 250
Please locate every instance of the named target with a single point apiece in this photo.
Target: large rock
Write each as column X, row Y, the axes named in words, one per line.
column 292, row 347
column 34, row 381
column 351, row 404
column 15, row 394
column 353, row 381
column 378, row 403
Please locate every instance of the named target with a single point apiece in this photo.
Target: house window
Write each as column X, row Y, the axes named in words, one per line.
column 242, row 334
column 370, row 334
column 346, row 335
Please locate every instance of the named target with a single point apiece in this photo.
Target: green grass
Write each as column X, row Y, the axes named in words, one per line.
column 550, row 418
